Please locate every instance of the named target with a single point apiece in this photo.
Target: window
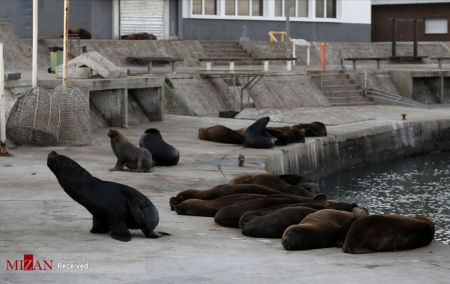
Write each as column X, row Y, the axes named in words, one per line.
column 204, row 7
column 326, row 8
column 297, row 8
column 436, row 26
column 244, row 7
column 230, row 7
column 303, row 8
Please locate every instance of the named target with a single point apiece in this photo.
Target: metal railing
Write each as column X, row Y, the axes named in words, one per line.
column 394, row 98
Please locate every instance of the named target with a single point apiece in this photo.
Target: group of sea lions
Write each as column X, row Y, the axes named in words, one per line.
column 258, row 135
column 270, row 206
column 289, row 207
column 152, row 150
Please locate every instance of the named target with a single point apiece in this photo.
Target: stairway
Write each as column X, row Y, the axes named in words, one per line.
column 340, row 89
column 227, row 49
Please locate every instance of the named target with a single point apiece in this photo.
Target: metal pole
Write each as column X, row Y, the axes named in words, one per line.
column 394, row 34
column 35, row 44
column 415, row 37
column 288, row 21
column 442, row 87
column 66, row 37
column 3, row 150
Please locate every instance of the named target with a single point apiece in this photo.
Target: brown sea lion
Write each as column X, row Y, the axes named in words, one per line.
column 321, row 229
column 139, row 36
column 272, row 181
column 80, row 32
column 229, row 216
column 129, row 155
column 283, row 137
column 209, row 208
column 219, row 191
column 272, row 222
column 221, row 134
column 388, row 233
column 314, row 129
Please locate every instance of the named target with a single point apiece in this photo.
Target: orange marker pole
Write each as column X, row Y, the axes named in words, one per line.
column 322, row 55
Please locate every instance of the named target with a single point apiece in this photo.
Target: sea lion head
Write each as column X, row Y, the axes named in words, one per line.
column 342, row 206
column 298, row 238
column 152, row 131
column 202, row 133
column 63, row 167
column 114, row 133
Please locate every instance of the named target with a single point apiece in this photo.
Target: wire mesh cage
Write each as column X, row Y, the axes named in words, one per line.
column 75, row 127
column 34, row 119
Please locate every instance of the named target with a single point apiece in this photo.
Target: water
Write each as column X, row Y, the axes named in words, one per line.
column 418, row 185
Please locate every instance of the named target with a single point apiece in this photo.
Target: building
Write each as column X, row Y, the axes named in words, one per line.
column 432, row 19
column 314, row 20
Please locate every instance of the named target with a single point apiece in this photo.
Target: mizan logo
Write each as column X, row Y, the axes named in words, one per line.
column 29, row 264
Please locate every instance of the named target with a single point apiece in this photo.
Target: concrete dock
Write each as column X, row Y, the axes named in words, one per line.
column 39, row 218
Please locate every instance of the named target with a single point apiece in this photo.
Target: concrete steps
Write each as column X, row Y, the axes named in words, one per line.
column 339, row 88
column 227, row 50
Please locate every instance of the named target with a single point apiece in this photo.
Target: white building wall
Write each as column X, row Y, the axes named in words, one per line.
column 356, row 11
column 348, row 11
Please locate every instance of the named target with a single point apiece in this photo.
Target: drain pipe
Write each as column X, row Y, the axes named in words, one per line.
column 365, row 83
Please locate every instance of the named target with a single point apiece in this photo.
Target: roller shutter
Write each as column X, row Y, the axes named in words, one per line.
column 137, row 16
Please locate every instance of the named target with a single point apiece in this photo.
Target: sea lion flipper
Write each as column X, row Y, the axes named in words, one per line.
column 156, row 235
column 119, row 231
column 100, row 225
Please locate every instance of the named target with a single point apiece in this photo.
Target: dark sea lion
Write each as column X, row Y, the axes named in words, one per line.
column 256, row 135
column 162, row 153
column 219, row 191
column 209, row 208
column 271, row 223
column 314, row 129
column 321, row 229
column 272, row 181
column 139, row 36
column 378, row 233
column 114, row 207
column 229, row 216
column 129, row 155
column 221, row 134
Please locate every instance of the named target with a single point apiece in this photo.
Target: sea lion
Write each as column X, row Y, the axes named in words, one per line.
column 139, row 36
column 282, row 136
column 162, row 153
column 321, row 229
column 209, row 208
column 219, row 191
column 274, row 182
column 272, row 222
column 80, row 32
column 314, row 129
column 221, row 134
column 256, row 136
column 377, row 233
column 229, row 216
column 114, row 207
column 129, row 155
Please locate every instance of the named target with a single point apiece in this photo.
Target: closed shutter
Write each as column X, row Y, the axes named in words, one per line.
column 138, row 16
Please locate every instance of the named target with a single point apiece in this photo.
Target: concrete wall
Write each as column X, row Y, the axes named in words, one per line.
column 373, row 142
column 219, row 29
column 94, row 16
